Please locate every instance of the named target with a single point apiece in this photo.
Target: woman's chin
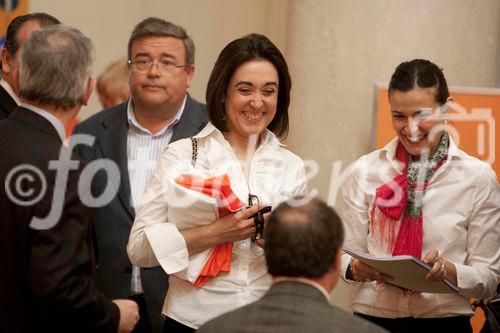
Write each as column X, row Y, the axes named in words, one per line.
column 417, row 149
column 253, row 130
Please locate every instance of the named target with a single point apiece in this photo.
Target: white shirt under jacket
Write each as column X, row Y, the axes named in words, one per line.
column 275, row 176
column 461, row 219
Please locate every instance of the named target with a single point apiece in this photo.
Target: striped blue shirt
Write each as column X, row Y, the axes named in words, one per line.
column 144, row 150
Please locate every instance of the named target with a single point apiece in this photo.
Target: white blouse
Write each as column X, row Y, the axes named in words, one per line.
column 461, row 219
column 275, row 175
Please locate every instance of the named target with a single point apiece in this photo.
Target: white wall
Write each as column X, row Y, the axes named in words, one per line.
column 211, row 23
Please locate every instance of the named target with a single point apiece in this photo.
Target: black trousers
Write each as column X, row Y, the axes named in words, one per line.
column 458, row 324
column 172, row 326
column 143, row 326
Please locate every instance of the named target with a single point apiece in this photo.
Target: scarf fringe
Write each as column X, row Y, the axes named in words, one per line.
column 384, row 229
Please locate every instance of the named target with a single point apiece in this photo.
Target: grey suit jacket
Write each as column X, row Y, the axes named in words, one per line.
column 289, row 307
column 114, row 221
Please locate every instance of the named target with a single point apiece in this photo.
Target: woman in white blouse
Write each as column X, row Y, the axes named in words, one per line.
column 422, row 196
column 247, row 99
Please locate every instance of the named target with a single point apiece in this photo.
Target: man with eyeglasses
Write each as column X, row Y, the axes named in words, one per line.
column 134, row 135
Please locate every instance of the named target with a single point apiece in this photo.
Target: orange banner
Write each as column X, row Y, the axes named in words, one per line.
column 8, row 10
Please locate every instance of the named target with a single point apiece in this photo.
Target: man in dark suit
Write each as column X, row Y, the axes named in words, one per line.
column 45, row 233
column 18, row 32
column 133, row 135
column 303, row 244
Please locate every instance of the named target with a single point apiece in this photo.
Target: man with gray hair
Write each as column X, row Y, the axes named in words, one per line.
column 18, row 31
column 133, row 135
column 303, row 244
column 47, row 261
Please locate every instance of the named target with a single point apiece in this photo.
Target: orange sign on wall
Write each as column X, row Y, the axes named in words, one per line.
column 472, row 122
column 8, row 10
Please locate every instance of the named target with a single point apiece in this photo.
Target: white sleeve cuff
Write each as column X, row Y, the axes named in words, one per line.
column 346, row 259
column 168, row 246
column 476, row 282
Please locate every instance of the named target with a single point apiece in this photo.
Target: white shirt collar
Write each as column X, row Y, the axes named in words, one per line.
column 56, row 123
column 267, row 137
column 132, row 120
column 10, row 91
column 305, row 281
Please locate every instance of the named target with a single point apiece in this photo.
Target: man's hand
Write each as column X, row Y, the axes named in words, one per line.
column 129, row 315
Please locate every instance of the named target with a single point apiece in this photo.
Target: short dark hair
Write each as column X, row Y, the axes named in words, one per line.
column 153, row 26
column 236, row 53
column 302, row 241
column 420, row 73
column 11, row 40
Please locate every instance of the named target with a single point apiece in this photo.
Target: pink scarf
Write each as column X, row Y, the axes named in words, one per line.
column 390, row 204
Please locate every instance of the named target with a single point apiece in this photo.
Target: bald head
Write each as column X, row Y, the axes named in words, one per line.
column 302, row 240
column 55, row 67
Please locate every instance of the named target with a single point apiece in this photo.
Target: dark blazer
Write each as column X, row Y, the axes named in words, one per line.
column 7, row 103
column 289, row 307
column 46, row 275
column 113, row 222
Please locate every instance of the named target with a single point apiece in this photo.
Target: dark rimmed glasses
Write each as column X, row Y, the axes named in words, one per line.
column 144, row 65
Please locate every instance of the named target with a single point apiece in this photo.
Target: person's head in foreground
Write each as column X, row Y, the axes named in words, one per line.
column 304, row 241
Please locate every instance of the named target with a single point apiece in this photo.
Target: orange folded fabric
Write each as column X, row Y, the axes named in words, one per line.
column 219, row 188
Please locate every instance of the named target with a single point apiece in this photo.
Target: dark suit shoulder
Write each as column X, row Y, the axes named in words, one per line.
column 101, row 118
column 7, row 103
column 195, row 105
column 3, row 114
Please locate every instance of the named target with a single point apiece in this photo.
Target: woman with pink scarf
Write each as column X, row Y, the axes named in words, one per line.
column 422, row 196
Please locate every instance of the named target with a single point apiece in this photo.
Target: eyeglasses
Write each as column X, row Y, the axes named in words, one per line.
column 258, row 218
column 164, row 66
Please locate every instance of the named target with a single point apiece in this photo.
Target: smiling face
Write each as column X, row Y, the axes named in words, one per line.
column 415, row 115
column 251, row 99
column 153, row 89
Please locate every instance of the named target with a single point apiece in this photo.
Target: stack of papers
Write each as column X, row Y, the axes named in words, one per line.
column 407, row 271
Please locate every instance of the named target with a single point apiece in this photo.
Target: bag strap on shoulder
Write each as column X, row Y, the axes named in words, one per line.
column 194, row 155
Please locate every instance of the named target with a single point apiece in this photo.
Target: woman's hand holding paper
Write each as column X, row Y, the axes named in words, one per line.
column 441, row 269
